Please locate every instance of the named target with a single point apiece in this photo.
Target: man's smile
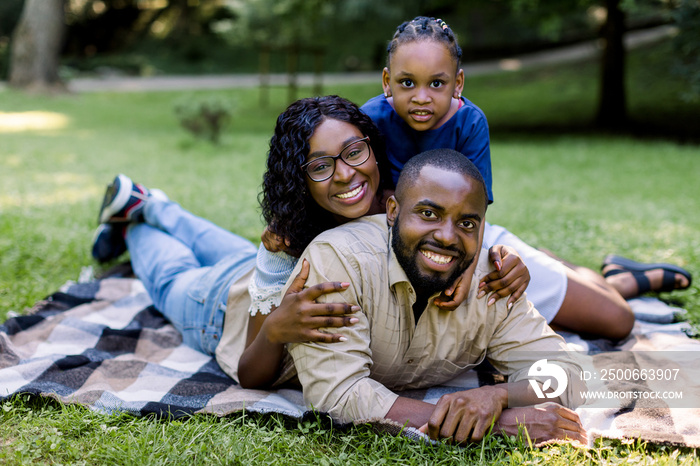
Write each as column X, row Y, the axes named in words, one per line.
column 437, row 258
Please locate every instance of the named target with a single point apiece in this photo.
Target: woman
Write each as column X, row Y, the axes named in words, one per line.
column 323, row 170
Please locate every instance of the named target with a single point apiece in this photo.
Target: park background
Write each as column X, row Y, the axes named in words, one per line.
column 592, row 154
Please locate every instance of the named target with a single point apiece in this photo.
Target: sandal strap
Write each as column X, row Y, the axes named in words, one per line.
column 612, row 272
column 643, row 283
column 669, row 281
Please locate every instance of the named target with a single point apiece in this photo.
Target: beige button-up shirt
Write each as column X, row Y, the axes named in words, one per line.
column 387, row 350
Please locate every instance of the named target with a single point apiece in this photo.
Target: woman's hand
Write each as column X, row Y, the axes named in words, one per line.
column 274, row 242
column 299, row 317
column 510, row 278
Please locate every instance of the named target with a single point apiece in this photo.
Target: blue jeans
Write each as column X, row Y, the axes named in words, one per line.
column 187, row 265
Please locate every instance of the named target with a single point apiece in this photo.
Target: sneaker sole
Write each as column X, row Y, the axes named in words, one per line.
column 119, row 201
column 112, row 253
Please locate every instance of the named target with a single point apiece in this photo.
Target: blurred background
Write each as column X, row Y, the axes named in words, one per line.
column 45, row 44
column 593, row 109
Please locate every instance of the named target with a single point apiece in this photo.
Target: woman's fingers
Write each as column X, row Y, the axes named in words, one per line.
column 300, row 280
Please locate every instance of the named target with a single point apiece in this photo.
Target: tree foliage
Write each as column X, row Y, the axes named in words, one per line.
column 612, row 18
column 282, row 22
column 687, row 46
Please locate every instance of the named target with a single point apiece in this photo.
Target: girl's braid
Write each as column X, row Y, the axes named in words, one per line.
column 423, row 27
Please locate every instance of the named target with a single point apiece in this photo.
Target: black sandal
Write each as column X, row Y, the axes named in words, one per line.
column 637, row 269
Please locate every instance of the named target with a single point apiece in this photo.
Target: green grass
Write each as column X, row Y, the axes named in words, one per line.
column 575, row 192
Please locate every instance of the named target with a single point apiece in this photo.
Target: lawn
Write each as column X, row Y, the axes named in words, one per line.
column 558, row 184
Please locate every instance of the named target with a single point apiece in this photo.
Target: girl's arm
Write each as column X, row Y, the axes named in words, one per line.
column 510, row 278
column 298, row 318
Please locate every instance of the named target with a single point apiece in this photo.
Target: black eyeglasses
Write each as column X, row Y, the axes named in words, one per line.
column 354, row 154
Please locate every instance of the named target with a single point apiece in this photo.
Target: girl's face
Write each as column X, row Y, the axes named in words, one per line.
column 350, row 192
column 423, row 84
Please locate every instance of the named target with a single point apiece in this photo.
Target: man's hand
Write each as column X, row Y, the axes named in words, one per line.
column 546, row 421
column 510, row 278
column 299, row 317
column 466, row 416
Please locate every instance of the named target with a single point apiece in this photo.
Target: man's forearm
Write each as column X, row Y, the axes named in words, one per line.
column 521, row 394
column 415, row 413
column 410, row 412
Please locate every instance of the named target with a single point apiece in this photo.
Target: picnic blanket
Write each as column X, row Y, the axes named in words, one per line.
column 102, row 344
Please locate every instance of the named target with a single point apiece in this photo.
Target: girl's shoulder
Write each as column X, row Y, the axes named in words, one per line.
column 377, row 107
column 469, row 110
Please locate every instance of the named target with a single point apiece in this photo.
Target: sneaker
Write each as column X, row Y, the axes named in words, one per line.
column 123, row 202
column 108, row 242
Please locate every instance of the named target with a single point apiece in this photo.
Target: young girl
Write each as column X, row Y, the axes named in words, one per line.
column 423, row 108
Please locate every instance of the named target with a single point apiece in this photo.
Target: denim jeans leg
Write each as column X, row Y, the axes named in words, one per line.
column 208, row 242
column 191, row 296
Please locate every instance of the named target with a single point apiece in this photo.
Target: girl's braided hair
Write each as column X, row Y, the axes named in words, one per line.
column 421, row 28
column 287, row 206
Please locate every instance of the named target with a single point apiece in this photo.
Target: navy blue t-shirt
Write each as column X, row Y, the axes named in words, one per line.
column 466, row 132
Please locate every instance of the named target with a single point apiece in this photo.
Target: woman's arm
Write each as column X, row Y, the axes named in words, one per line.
column 298, row 318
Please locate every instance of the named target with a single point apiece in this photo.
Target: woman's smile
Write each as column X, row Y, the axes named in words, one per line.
column 353, row 194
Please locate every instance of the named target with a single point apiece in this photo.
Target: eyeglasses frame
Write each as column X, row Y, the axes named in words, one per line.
column 336, row 157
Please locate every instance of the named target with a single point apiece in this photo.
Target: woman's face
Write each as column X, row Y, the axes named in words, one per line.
column 350, row 192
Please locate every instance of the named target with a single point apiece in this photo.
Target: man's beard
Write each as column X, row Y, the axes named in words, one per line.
column 423, row 283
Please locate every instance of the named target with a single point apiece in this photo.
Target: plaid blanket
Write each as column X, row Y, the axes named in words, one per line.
column 102, row 344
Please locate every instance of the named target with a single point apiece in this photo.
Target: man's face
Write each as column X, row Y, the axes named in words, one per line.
column 437, row 228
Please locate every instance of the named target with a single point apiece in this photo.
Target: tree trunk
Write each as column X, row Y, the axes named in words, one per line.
column 36, row 46
column 612, row 106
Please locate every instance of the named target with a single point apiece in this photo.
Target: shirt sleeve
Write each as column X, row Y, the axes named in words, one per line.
column 475, row 144
column 272, row 270
column 524, row 337
column 336, row 376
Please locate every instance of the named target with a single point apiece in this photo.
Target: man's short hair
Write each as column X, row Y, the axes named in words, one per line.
column 446, row 159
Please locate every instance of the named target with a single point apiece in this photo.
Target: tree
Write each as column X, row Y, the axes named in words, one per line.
column 292, row 26
column 612, row 102
column 36, row 46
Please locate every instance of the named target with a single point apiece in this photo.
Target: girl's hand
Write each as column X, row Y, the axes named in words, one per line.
column 273, row 242
column 458, row 291
column 299, row 317
column 510, row 278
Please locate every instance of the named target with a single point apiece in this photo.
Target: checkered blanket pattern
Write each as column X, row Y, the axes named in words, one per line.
column 102, row 344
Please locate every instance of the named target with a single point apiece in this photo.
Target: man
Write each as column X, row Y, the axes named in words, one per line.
column 396, row 266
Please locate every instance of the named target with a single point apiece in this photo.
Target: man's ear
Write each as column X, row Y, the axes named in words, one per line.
column 392, row 210
column 386, row 78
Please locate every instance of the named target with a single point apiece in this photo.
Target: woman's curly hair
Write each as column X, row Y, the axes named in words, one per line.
column 287, row 206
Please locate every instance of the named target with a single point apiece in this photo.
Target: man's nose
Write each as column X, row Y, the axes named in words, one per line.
column 446, row 234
